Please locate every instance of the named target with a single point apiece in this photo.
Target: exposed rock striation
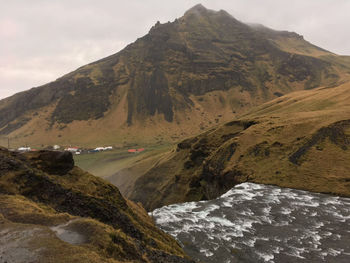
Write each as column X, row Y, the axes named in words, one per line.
column 205, row 61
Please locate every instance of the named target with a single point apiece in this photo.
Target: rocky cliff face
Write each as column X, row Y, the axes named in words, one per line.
column 52, row 211
column 181, row 74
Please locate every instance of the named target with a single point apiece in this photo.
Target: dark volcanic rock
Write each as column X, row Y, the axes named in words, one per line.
column 52, row 162
column 10, row 161
column 335, row 133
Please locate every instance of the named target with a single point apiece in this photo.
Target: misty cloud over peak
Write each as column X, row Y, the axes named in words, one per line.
column 43, row 40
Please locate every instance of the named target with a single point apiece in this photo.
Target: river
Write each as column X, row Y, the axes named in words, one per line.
column 261, row 223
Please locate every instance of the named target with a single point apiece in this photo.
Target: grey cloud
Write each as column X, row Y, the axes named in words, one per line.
column 43, row 39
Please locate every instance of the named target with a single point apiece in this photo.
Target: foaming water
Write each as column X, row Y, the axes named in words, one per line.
column 260, row 223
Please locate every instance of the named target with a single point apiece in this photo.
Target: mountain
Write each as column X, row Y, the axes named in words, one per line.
column 300, row 140
column 181, row 78
column 52, row 211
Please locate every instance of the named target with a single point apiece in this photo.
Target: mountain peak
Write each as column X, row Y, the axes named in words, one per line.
column 197, row 9
column 201, row 10
column 202, row 52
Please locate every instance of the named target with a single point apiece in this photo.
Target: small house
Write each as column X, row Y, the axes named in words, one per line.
column 72, row 149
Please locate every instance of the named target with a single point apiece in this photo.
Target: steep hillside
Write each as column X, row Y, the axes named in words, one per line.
column 181, row 78
column 52, row 211
column 300, row 140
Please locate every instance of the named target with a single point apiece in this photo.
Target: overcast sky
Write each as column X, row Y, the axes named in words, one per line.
column 40, row 40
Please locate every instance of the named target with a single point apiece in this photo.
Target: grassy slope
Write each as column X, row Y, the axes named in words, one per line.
column 300, row 140
column 32, row 200
column 113, row 130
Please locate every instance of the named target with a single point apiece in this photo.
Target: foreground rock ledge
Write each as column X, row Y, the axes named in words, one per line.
column 44, row 189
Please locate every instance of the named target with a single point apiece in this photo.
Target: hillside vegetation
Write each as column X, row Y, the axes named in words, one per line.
column 300, row 140
column 180, row 79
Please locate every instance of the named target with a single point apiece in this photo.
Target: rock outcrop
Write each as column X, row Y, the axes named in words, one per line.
column 43, row 191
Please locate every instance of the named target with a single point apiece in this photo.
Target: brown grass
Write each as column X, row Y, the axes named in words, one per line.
column 283, row 126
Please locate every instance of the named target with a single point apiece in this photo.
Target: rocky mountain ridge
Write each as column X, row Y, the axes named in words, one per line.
column 182, row 77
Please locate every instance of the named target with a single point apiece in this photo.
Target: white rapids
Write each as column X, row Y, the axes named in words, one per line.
column 260, row 223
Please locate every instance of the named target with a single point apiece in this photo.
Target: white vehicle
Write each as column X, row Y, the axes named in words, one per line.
column 100, row 149
column 24, row 149
column 72, row 149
